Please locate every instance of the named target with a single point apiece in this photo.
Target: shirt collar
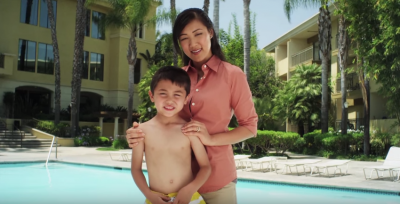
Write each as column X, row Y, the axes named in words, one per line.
column 212, row 63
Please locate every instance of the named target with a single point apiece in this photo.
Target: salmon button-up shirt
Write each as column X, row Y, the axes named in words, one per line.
column 213, row 99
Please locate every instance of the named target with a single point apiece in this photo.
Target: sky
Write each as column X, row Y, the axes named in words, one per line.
column 271, row 22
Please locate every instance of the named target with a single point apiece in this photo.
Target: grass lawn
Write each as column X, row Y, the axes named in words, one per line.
column 107, row 149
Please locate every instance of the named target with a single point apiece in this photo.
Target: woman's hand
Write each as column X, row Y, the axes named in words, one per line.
column 198, row 129
column 134, row 135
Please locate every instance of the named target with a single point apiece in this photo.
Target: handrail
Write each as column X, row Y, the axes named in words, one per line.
column 51, row 147
column 302, row 56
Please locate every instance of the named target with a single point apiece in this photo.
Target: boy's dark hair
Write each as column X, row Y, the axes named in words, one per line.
column 176, row 75
column 184, row 18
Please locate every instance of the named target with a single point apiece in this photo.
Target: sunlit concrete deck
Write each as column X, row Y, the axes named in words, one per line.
column 89, row 155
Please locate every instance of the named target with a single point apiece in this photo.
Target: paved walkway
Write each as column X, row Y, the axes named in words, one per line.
column 89, row 155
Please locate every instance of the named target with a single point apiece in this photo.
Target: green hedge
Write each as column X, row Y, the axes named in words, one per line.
column 280, row 141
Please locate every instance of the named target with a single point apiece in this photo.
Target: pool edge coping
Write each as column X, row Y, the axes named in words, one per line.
column 327, row 186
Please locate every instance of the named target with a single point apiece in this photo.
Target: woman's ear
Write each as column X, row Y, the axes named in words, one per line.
column 211, row 31
column 151, row 96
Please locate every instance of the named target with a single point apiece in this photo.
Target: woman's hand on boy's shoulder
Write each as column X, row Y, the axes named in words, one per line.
column 198, row 129
column 134, row 135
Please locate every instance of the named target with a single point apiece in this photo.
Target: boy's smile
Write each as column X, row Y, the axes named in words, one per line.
column 168, row 98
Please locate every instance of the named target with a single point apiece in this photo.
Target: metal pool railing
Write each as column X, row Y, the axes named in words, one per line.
column 51, row 147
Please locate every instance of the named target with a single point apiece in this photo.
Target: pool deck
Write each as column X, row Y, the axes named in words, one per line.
column 89, row 155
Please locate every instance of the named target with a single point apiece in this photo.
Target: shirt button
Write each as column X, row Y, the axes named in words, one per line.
column 197, row 89
column 192, row 104
column 204, row 66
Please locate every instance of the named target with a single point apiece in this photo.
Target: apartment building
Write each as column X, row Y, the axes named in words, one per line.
column 300, row 46
column 27, row 62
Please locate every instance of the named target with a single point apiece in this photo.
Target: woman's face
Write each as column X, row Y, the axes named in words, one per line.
column 195, row 40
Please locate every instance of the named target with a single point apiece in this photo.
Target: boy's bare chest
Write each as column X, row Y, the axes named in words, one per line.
column 172, row 140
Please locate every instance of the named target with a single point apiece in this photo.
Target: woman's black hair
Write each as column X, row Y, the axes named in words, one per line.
column 184, row 18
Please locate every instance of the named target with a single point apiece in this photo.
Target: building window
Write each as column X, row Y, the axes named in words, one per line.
column 85, row 64
column 27, row 56
column 96, row 66
column 45, row 63
column 98, row 30
column 87, row 27
column 44, row 15
column 29, row 11
column 139, row 31
column 136, row 77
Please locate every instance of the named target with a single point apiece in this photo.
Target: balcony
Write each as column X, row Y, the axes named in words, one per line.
column 352, row 83
column 308, row 54
column 6, row 64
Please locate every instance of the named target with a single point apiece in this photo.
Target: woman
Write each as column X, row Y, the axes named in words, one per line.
column 218, row 89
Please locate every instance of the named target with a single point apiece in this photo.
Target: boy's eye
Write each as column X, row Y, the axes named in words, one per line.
column 162, row 93
column 177, row 95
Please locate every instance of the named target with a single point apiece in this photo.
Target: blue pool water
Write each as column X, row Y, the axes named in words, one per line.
column 61, row 183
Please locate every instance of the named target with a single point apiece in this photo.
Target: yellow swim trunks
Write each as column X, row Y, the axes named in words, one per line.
column 196, row 198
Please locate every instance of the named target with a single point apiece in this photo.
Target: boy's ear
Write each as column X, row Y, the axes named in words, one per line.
column 151, row 96
column 186, row 100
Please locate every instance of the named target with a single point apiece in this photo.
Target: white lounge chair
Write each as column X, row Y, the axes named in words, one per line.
column 295, row 163
column 396, row 172
column 239, row 159
column 122, row 156
column 270, row 160
column 391, row 163
column 328, row 164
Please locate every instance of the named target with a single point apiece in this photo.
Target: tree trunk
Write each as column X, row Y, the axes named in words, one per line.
column 342, row 57
column 131, row 57
column 206, row 6
column 216, row 18
column 366, row 117
column 246, row 13
column 324, row 35
column 57, row 72
column 80, row 25
column 173, row 16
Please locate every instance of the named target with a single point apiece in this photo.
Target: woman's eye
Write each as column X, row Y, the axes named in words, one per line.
column 182, row 39
column 197, row 34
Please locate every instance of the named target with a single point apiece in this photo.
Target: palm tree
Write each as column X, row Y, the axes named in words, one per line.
column 246, row 47
column 216, row 17
column 206, row 6
column 324, row 37
column 80, row 24
column 173, row 16
column 298, row 101
column 127, row 15
column 343, row 44
column 57, row 73
column 149, row 59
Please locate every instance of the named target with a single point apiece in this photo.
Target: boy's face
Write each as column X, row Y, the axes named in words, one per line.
column 168, row 98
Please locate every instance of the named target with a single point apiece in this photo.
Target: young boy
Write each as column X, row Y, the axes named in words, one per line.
column 168, row 151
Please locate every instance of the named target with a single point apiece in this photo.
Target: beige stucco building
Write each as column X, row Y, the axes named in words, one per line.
column 26, row 58
column 300, row 46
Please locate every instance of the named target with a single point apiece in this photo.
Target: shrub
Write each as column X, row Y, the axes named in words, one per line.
column 283, row 141
column 120, row 143
column 395, row 141
column 299, row 145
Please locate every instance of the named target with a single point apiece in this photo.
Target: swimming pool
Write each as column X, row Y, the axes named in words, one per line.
column 33, row 183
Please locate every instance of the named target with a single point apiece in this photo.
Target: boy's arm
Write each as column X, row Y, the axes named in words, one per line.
column 204, row 164
column 136, row 169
